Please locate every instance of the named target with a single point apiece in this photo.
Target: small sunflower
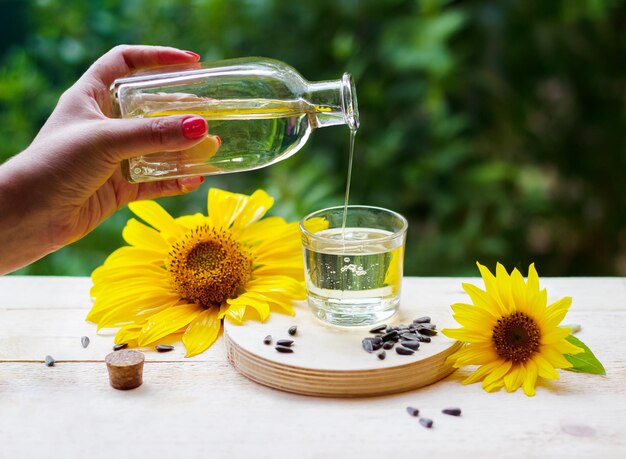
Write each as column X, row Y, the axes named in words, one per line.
column 511, row 332
column 184, row 275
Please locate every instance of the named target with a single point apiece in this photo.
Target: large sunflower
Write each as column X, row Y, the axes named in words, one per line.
column 184, row 275
column 511, row 332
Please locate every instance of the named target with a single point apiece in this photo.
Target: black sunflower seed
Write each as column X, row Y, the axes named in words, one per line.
column 422, row 320
column 283, row 349
column 427, row 331
column 414, row 345
column 428, row 326
column 84, row 341
column 390, row 335
column 423, row 339
column 381, row 355
column 388, row 345
column 367, row 344
column 452, row 411
column 292, row 330
column 428, row 423
column 49, row 360
column 267, row 339
column 412, row 411
column 119, row 347
column 408, row 336
column 285, row 342
column 379, row 328
column 164, row 347
column 404, row 351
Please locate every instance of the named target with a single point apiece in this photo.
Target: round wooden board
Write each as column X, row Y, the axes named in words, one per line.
column 330, row 362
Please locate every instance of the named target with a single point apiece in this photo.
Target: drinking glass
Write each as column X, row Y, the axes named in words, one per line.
column 353, row 263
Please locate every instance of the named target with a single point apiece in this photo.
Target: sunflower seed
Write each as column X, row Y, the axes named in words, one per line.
column 164, row 348
column 388, row 345
column 452, row 411
column 408, row 336
column 49, row 360
column 404, row 351
column 423, row 339
column 267, row 339
column 381, row 355
column 427, row 331
column 412, row 411
column 428, row 423
column 414, row 345
column 390, row 335
column 285, row 342
column 378, row 329
column 428, row 326
column 292, row 330
column 367, row 345
column 84, row 341
column 119, row 347
column 283, row 349
column 422, row 320
column 388, row 329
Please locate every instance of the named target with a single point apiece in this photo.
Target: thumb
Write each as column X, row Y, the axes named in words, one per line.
column 126, row 138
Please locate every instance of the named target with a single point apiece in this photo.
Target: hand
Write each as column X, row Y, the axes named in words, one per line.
column 69, row 179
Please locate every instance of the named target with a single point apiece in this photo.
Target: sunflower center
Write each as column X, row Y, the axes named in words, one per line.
column 207, row 266
column 516, row 337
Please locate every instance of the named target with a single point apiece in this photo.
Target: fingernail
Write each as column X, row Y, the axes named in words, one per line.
column 189, row 183
column 194, row 127
column 191, row 53
column 219, row 141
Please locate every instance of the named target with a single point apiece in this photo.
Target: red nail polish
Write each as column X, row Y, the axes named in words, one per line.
column 219, row 141
column 191, row 53
column 194, row 127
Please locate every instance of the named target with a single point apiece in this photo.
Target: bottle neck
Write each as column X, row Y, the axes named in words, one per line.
column 334, row 102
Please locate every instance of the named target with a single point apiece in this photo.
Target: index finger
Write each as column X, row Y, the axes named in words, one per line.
column 124, row 59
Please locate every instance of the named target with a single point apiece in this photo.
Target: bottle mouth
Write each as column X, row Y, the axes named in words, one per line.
column 349, row 102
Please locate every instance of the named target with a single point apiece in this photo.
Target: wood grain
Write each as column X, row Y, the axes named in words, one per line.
column 202, row 407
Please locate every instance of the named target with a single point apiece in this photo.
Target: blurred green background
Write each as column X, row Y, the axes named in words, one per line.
column 497, row 128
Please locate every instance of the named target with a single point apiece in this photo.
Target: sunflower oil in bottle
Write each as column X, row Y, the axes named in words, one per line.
column 262, row 110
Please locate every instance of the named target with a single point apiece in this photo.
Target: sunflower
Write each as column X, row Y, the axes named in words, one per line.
column 185, row 275
column 511, row 332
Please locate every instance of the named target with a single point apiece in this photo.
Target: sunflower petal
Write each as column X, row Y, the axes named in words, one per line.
column 256, row 207
column 503, row 281
column 556, row 312
column 462, row 334
column 514, row 379
column 139, row 235
column 202, row 332
column 482, row 371
column 224, row 207
column 530, row 379
column 168, row 321
column 255, row 301
column 157, row 217
column 544, row 369
column 497, row 374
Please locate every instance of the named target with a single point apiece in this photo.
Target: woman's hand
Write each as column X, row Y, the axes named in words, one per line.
column 69, row 179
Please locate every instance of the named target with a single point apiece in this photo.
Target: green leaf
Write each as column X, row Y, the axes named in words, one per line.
column 585, row 362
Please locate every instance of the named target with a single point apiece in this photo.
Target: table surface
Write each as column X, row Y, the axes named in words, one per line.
column 201, row 407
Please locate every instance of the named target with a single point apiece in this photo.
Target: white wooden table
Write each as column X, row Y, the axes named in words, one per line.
column 201, row 407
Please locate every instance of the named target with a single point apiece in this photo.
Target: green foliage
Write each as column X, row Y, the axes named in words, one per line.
column 497, row 128
column 586, row 361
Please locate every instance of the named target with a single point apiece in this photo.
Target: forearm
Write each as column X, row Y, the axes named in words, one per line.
column 25, row 234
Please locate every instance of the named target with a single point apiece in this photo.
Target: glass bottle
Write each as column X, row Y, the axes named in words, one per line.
column 262, row 110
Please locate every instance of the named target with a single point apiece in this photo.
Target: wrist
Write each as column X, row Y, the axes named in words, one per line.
column 25, row 234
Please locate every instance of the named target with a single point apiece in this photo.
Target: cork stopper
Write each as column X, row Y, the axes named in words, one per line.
column 125, row 369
